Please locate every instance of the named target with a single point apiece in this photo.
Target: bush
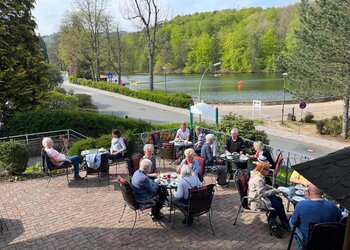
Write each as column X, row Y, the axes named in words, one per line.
column 59, row 100
column 88, row 123
column 181, row 100
column 102, row 142
column 85, row 101
column 308, row 117
column 13, row 157
column 330, row 126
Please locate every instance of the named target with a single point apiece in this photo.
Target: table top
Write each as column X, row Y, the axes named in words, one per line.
column 231, row 158
column 94, row 151
column 181, row 143
column 293, row 193
column 173, row 180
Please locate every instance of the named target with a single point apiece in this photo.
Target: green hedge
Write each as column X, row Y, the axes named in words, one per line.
column 180, row 100
column 87, row 123
column 13, row 157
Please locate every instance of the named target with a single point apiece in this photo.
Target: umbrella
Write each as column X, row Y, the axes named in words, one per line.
column 203, row 109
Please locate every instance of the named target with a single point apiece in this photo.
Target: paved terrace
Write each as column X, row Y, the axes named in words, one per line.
column 67, row 217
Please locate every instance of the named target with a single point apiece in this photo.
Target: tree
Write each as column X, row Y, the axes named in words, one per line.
column 23, row 72
column 54, row 76
column 319, row 64
column 147, row 14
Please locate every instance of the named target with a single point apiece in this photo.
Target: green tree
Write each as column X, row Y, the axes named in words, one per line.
column 319, row 64
column 23, row 72
column 54, row 76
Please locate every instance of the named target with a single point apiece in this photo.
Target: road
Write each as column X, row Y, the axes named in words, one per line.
column 115, row 104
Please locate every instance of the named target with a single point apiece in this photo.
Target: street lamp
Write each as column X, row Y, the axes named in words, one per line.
column 200, row 83
column 285, row 75
column 164, row 68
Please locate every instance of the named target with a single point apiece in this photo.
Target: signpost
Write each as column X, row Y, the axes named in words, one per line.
column 110, row 76
column 302, row 106
column 256, row 106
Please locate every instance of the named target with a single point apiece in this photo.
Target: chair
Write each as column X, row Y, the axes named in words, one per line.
column 242, row 187
column 322, row 236
column 133, row 164
column 199, row 203
column 167, row 152
column 156, row 142
column 276, row 167
column 130, row 201
column 124, row 154
column 201, row 165
column 103, row 168
column 48, row 167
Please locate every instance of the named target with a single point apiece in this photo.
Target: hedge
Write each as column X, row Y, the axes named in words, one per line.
column 180, row 100
column 87, row 123
column 13, row 157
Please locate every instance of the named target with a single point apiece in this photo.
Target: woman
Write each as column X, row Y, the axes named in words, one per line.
column 185, row 183
column 257, row 188
column 148, row 150
column 189, row 161
column 261, row 154
column 183, row 133
column 200, row 140
column 59, row 159
column 118, row 148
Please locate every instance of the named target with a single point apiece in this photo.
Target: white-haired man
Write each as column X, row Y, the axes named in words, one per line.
column 147, row 191
column 235, row 143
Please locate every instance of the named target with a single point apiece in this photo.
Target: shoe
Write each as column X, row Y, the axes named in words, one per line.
column 78, row 177
column 157, row 217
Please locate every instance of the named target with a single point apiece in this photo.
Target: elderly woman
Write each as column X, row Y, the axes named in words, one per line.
column 200, row 140
column 189, row 161
column 183, row 133
column 185, row 183
column 261, row 154
column 59, row 159
column 148, row 150
column 257, row 188
column 118, row 148
column 207, row 153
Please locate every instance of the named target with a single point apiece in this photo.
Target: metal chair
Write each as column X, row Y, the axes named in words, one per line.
column 167, row 152
column 201, row 165
column 199, row 203
column 242, row 187
column 49, row 168
column 102, row 169
column 276, row 167
column 123, row 159
column 133, row 164
column 130, row 201
column 322, row 236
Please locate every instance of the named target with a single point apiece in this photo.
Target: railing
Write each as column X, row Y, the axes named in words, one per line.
column 289, row 158
column 26, row 138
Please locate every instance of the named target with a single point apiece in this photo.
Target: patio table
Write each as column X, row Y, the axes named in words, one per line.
column 240, row 160
column 172, row 184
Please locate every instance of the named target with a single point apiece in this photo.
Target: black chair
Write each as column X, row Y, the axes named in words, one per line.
column 130, row 201
column 322, row 236
column 199, row 203
column 49, row 168
column 102, row 169
column 133, row 164
column 242, row 187
column 201, row 166
column 167, row 152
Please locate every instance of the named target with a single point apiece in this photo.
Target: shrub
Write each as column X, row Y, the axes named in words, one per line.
column 308, row 117
column 333, row 126
column 88, row 123
column 85, row 101
column 13, row 157
column 181, row 100
column 319, row 126
column 58, row 100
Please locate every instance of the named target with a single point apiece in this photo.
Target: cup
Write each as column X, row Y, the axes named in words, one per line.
column 168, row 177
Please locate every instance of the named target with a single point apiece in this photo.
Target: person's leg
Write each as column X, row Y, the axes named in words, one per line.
column 116, row 156
column 159, row 199
column 75, row 159
column 277, row 204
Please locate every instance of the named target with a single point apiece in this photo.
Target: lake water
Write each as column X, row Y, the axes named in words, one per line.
column 218, row 89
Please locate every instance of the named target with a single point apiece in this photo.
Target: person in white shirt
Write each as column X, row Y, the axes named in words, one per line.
column 182, row 133
column 118, row 147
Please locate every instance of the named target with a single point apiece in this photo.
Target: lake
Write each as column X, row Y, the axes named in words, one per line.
column 218, row 89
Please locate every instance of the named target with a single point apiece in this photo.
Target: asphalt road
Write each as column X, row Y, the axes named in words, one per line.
column 111, row 103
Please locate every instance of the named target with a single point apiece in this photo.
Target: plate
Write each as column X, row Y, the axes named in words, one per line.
column 298, row 198
column 284, row 189
column 299, row 187
column 222, row 155
column 300, row 192
column 243, row 158
column 229, row 157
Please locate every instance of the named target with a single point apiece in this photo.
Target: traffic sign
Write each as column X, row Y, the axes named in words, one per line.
column 302, row 105
column 110, row 75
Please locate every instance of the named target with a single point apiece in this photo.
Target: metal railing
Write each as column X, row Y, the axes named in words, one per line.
column 26, row 138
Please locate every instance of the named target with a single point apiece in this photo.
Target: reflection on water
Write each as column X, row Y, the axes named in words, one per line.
column 223, row 89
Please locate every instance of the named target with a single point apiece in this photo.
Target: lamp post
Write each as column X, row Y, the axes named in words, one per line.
column 285, row 75
column 200, row 83
column 164, row 68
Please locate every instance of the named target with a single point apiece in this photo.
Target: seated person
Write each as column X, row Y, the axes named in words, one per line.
column 313, row 210
column 261, row 153
column 185, row 183
column 59, row 159
column 210, row 158
column 183, row 133
column 296, row 178
column 235, row 144
column 118, row 148
column 257, row 188
column 147, row 191
column 189, row 161
column 200, row 140
column 148, row 150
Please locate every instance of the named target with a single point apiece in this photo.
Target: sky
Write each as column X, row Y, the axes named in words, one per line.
column 49, row 13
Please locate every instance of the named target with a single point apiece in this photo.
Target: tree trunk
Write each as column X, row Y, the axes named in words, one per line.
column 150, row 69
column 345, row 124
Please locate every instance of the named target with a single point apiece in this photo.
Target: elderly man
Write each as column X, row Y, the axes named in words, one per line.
column 235, row 143
column 147, row 191
column 313, row 210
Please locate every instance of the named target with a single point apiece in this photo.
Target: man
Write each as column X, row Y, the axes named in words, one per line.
column 235, row 143
column 147, row 191
column 313, row 210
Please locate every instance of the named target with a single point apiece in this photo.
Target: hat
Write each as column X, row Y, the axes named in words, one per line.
column 262, row 158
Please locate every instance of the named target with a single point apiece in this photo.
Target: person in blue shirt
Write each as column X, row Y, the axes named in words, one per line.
column 189, row 161
column 147, row 191
column 313, row 210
